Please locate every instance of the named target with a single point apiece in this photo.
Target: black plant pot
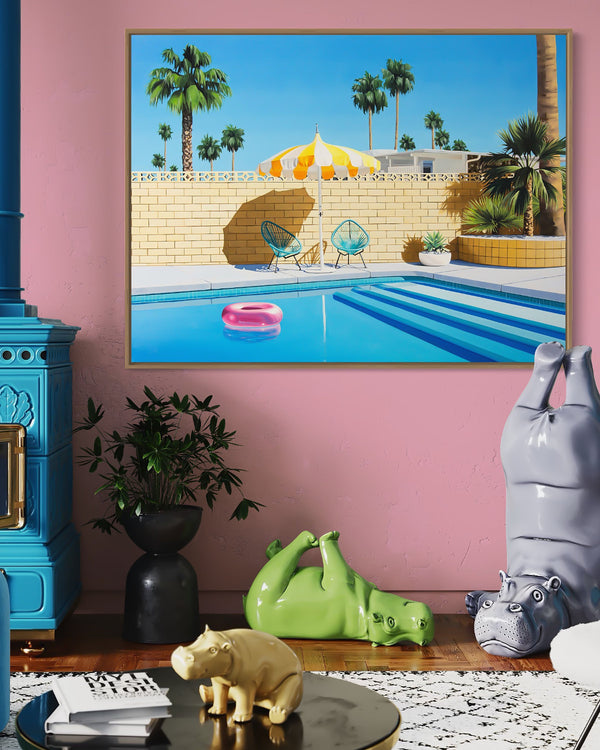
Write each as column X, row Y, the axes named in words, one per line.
column 161, row 592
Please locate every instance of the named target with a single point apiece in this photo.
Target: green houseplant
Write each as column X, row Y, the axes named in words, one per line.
column 490, row 215
column 154, row 473
column 434, row 252
column 170, row 454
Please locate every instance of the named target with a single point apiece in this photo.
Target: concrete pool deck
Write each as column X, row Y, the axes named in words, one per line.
column 542, row 283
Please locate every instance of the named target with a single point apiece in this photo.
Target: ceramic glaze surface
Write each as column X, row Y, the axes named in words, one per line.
column 245, row 666
column 329, row 602
column 551, row 459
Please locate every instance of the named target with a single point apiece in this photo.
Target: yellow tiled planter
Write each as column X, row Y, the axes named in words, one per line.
column 519, row 252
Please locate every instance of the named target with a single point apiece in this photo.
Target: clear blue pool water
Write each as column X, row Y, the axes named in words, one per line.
column 401, row 319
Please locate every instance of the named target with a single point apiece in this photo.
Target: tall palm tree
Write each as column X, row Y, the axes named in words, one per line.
column 165, row 133
column 442, row 138
column 232, row 140
column 158, row 161
column 188, row 87
column 209, row 149
column 459, row 145
column 433, row 122
column 551, row 217
column 369, row 97
column 407, row 142
column 398, row 78
column 523, row 168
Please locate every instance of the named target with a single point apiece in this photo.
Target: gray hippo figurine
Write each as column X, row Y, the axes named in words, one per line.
column 329, row 602
column 551, row 460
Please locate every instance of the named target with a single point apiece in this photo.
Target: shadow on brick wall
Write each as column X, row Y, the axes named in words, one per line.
column 242, row 240
column 458, row 196
column 412, row 248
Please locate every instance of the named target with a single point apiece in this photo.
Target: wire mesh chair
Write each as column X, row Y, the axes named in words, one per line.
column 349, row 239
column 283, row 243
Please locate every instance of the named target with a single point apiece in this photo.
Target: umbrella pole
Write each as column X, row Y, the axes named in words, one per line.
column 320, row 226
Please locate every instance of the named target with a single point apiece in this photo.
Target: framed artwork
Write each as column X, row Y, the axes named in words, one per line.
column 334, row 198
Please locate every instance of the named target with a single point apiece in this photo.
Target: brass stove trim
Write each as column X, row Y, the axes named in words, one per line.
column 14, row 435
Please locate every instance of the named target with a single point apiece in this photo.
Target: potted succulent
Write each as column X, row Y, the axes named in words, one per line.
column 434, row 252
column 154, row 473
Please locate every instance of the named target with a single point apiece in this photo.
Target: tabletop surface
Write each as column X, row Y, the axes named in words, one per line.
column 333, row 714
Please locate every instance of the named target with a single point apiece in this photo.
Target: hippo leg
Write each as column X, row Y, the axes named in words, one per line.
column 581, row 386
column 336, row 570
column 219, row 694
column 548, row 361
column 275, row 575
column 287, row 696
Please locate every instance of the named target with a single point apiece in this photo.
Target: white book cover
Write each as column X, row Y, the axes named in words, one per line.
column 58, row 723
column 103, row 696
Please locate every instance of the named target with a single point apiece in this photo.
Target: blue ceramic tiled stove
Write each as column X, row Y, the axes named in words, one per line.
column 39, row 547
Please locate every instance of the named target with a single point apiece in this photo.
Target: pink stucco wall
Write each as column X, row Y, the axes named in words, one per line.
column 405, row 462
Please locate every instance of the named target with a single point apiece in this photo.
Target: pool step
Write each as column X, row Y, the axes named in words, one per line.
column 443, row 329
column 468, row 321
column 550, row 324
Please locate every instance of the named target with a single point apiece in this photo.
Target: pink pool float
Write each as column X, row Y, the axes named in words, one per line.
column 252, row 315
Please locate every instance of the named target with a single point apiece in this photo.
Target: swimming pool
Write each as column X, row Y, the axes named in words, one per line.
column 394, row 320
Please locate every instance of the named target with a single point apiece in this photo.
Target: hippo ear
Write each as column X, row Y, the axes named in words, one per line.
column 504, row 577
column 206, row 630
column 553, row 583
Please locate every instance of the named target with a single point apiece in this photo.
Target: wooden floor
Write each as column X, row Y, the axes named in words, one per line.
column 94, row 642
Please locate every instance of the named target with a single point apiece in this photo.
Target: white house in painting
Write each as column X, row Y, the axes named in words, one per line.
column 426, row 160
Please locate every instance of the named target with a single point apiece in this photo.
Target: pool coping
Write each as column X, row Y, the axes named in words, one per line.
column 533, row 283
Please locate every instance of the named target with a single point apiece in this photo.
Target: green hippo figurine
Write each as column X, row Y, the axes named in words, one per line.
column 329, row 602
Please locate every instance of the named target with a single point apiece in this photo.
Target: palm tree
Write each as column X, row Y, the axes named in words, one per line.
column 209, row 149
column 442, row 138
column 232, row 140
column 158, row 161
column 187, row 87
column 459, row 145
column 433, row 122
column 407, row 143
column 552, row 217
column 398, row 78
column 523, row 168
column 369, row 97
column 173, row 168
column 165, row 133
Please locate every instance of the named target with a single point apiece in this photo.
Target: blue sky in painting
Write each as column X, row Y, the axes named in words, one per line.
column 283, row 84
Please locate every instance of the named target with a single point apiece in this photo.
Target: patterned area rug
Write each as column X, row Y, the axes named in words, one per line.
column 442, row 710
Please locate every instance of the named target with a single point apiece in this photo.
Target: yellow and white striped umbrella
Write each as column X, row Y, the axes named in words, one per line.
column 319, row 161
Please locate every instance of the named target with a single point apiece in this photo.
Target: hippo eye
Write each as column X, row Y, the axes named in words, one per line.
column 537, row 595
column 487, row 604
column 391, row 622
column 422, row 624
column 212, row 650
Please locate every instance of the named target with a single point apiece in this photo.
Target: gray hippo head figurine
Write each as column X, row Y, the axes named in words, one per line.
column 551, row 460
column 523, row 617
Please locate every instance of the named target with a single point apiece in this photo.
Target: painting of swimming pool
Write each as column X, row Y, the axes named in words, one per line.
column 325, row 197
column 395, row 320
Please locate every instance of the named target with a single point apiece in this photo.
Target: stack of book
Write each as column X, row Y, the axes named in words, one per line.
column 103, row 704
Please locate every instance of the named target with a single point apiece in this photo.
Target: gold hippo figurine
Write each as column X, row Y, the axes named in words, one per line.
column 246, row 666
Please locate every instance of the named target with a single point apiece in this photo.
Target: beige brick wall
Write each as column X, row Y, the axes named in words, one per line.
column 202, row 222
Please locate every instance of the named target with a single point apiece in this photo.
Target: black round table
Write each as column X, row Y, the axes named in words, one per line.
column 334, row 714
